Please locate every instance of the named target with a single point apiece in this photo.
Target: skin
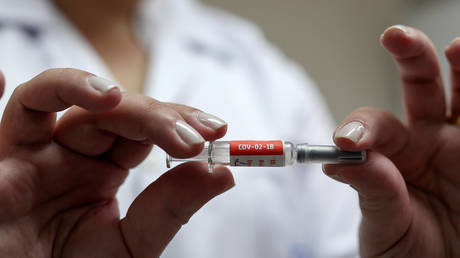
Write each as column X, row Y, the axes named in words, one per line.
column 409, row 187
column 58, row 180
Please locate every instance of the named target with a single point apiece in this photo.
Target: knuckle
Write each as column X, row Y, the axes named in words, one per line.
column 18, row 89
column 180, row 215
column 150, row 105
column 69, row 74
column 50, row 73
column 66, row 71
column 163, row 111
column 372, row 112
column 183, row 108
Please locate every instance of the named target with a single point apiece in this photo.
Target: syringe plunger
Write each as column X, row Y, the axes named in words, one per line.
column 327, row 154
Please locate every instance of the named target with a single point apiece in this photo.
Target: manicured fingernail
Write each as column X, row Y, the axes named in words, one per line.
column 188, row 134
column 402, row 28
column 101, row 84
column 211, row 121
column 352, row 131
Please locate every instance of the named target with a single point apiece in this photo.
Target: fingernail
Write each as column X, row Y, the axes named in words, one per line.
column 211, row 121
column 188, row 134
column 101, row 84
column 406, row 30
column 352, row 131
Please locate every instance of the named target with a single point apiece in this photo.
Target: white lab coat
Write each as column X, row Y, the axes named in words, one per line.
column 211, row 60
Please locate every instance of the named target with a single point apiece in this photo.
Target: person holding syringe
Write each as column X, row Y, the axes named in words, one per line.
column 58, row 181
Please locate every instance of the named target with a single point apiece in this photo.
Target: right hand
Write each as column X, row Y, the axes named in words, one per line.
column 409, row 187
column 58, row 181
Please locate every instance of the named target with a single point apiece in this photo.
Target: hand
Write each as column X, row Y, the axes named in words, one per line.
column 409, row 188
column 58, row 182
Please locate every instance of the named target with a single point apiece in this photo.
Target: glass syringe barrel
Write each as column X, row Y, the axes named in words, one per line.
column 269, row 154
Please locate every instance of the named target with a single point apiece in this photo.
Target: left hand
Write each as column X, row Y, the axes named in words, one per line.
column 58, row 181
column 409, row 188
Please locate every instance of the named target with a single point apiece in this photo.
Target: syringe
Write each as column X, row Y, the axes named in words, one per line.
column 269, row 154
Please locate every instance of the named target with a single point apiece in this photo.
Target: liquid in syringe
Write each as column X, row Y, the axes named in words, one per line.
column 269, row 154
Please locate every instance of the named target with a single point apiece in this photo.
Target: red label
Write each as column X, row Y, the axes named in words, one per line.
column 256, row 148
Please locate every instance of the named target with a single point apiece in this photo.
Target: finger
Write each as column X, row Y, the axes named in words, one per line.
column 177, row 129
column 377, row 130
column 384, row 201
column 128, row 153
column 453, row 55
column 81, row 134
column 418, row 65
column 77, row 130
column 32, row 179
column 29, row 116
column 159, row 212
column 2, row 83
column 96, row 233
column 210, row 126
column 370, row 128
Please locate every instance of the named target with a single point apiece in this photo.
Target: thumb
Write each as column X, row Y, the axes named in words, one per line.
column 159, row 212
column 384, row 201
column 383, row 195
column 29, row 117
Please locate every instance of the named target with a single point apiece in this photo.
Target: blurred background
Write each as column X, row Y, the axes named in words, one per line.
column 337, row 42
